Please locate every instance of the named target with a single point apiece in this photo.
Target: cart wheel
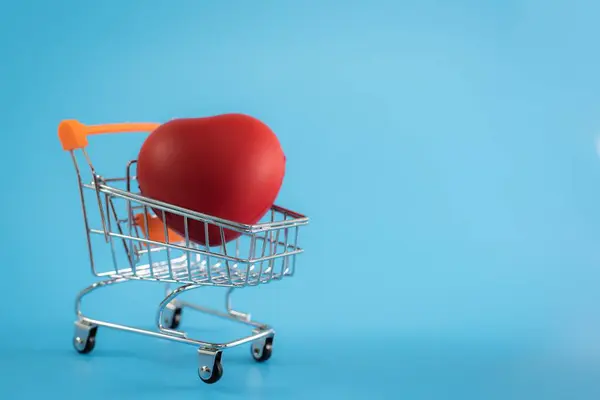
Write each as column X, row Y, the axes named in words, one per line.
column 85, row 345
column 262, row 352
column 217, row 373
column 176, row 319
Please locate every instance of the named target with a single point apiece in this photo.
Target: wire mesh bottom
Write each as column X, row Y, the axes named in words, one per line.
column 197, row 272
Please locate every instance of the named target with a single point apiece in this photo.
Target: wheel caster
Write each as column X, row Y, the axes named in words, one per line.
column 210, row 369
column 262, row 349
column 215, row 374
column 85, row 337
column 172, row 316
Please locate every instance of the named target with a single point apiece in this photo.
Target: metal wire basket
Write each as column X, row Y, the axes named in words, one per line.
column 143, row 247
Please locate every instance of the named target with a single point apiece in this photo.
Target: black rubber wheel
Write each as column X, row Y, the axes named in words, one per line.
column 176, row 319
column 267, row 351
column 216, row 375
column 89, row 344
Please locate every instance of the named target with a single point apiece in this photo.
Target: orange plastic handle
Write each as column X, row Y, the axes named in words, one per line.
column 73, row 134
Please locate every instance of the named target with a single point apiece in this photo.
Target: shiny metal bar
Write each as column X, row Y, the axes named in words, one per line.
column 86, row 223
column 196, row 250
column 180, row 339
column 110, row 237
column 273, row 254
column 148, row 236
column 294, row 256
column 187, row 245
column 166, row 231
column 238, row 227
column 251, row 256
column 285, row 261
column 128, row 179
column 207, row 247
column 224, row 247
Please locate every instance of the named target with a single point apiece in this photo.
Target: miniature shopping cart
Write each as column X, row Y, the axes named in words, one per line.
column 143, row 248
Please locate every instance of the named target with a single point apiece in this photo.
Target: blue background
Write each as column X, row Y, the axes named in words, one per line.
column 445, row 152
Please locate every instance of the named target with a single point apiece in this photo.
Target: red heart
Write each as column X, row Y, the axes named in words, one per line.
column 229, row 166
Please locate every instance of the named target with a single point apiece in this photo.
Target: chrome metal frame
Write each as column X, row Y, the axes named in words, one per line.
column 265, row 252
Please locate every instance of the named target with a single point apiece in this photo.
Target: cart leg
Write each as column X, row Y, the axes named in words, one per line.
column 169, row 311
column 210, row 369
column 262, row 349
column 84, row 340
column 172, row 315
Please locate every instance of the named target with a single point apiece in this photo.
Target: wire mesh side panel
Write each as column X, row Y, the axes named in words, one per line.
column 275, row 251
column 143, row 247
